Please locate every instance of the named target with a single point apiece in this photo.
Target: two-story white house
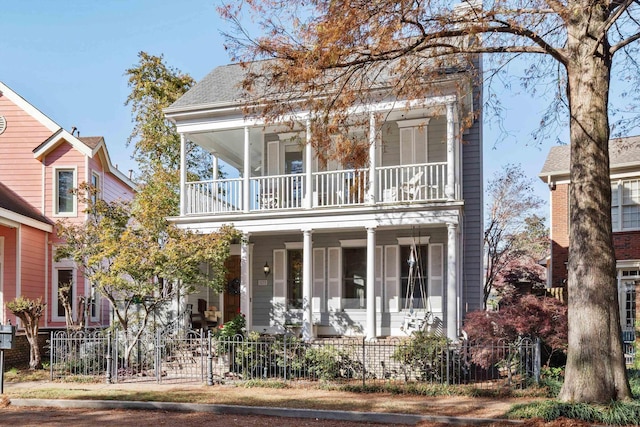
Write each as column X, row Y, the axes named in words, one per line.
column 376, row 251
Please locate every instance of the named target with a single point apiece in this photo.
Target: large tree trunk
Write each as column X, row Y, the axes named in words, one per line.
column 595, row 369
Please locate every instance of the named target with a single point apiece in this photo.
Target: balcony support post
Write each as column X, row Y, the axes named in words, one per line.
column 452, row 282
column 373, row 182
column 308, row 168
column 451, row 139
column 307, row 289
column 183, row 175
column 214, row 167
column 246, row 173
column 245, row 280
column 371, row 284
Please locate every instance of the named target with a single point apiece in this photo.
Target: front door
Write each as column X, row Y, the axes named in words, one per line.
column 232, row 288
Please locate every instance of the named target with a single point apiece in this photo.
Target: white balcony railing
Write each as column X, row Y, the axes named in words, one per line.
column 396, row 184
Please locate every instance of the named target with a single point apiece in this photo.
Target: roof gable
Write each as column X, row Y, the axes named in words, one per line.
column 28, row 108
column 623, row 152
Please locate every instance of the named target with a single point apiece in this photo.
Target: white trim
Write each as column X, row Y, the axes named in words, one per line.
column 54, row 204
column 339, row 219
column 293, row 245
column 14, row 220
column 626, row 264
column 28, row 108
column 193, row 126
column 18, row 261
column 63, row 135
column 64, row 264
column 413, row 122
column 353, row 243
column 408, row 241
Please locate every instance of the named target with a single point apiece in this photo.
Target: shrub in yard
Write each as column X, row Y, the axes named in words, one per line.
column 519, row 316
column 426, row 355
column 29, row 312
column 329, row 362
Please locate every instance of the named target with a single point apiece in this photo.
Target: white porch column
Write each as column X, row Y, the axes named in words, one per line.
column 452, row 282
column 308, row 168
column 371, row 284
column 451, row 138
column 373, row 182
column 246, row 173
column 183, row 175
column 307, row 265
column 214, row 167
column 245, row 280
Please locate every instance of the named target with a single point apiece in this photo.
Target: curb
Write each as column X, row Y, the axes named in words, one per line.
column 371, row 417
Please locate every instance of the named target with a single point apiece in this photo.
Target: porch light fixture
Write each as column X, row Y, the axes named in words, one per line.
column 266, row 269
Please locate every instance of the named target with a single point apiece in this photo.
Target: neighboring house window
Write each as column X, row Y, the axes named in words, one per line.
column 64, row 199
column 354, row 289
column 64, row 275
column 294, row 278
column 419, row 276
column 95, row 183
column 625, row 205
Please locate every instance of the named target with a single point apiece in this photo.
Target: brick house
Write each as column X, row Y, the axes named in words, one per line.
column 624, row 156
column 39, row 163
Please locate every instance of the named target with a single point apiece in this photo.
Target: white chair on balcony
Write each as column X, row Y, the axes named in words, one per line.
column 412, row 189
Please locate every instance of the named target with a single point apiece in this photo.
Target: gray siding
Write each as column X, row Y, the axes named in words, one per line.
column 472, row 224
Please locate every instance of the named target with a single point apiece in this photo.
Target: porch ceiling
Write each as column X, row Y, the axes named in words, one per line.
column 228, row 145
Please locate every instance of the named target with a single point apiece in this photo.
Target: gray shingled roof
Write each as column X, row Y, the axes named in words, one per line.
column 221, row 85
column 622, row 152
column 14, row 203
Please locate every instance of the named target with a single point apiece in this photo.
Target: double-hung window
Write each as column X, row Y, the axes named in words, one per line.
column 64, row 202
column 625, row 205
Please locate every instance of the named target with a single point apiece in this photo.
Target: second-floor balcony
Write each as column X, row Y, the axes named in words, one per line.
column 389, row 185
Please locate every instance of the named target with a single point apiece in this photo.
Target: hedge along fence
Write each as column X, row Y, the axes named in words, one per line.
column 422, row 359
column 198, row 357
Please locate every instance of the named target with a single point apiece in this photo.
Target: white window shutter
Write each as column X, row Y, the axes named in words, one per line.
column 436, row 276
column 273, row 158
column 318, row 300
column 392, row 276
column 379, row 289
column 420, row 145
column 279, row 278
column 334, row 282
column 406, row 146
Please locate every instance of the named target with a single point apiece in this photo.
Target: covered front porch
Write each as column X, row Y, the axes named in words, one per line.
column 351, row 279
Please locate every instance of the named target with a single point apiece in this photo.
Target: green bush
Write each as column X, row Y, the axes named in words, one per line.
column 426, row 355
column 330, row 362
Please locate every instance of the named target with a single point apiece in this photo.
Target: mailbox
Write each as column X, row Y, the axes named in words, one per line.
column 7, row 337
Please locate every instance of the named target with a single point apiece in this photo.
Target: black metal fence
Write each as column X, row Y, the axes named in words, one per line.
column 181, row 355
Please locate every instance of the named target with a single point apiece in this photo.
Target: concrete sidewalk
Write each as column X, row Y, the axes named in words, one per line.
column 321, row 414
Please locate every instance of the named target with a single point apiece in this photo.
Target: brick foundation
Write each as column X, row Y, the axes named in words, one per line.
column 18, row 356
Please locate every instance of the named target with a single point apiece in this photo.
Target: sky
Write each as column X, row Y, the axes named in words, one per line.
column 68, row 58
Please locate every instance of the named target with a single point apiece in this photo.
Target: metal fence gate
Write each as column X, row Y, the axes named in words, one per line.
column 173, row 354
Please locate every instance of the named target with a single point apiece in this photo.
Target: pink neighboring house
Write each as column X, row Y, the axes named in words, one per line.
column 39, row 163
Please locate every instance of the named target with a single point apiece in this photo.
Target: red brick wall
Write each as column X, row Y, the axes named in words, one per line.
column 18, row 356
column 626, row 244
column 559, row 234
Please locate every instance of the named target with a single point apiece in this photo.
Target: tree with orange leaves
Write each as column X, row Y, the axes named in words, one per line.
column 330, row 56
